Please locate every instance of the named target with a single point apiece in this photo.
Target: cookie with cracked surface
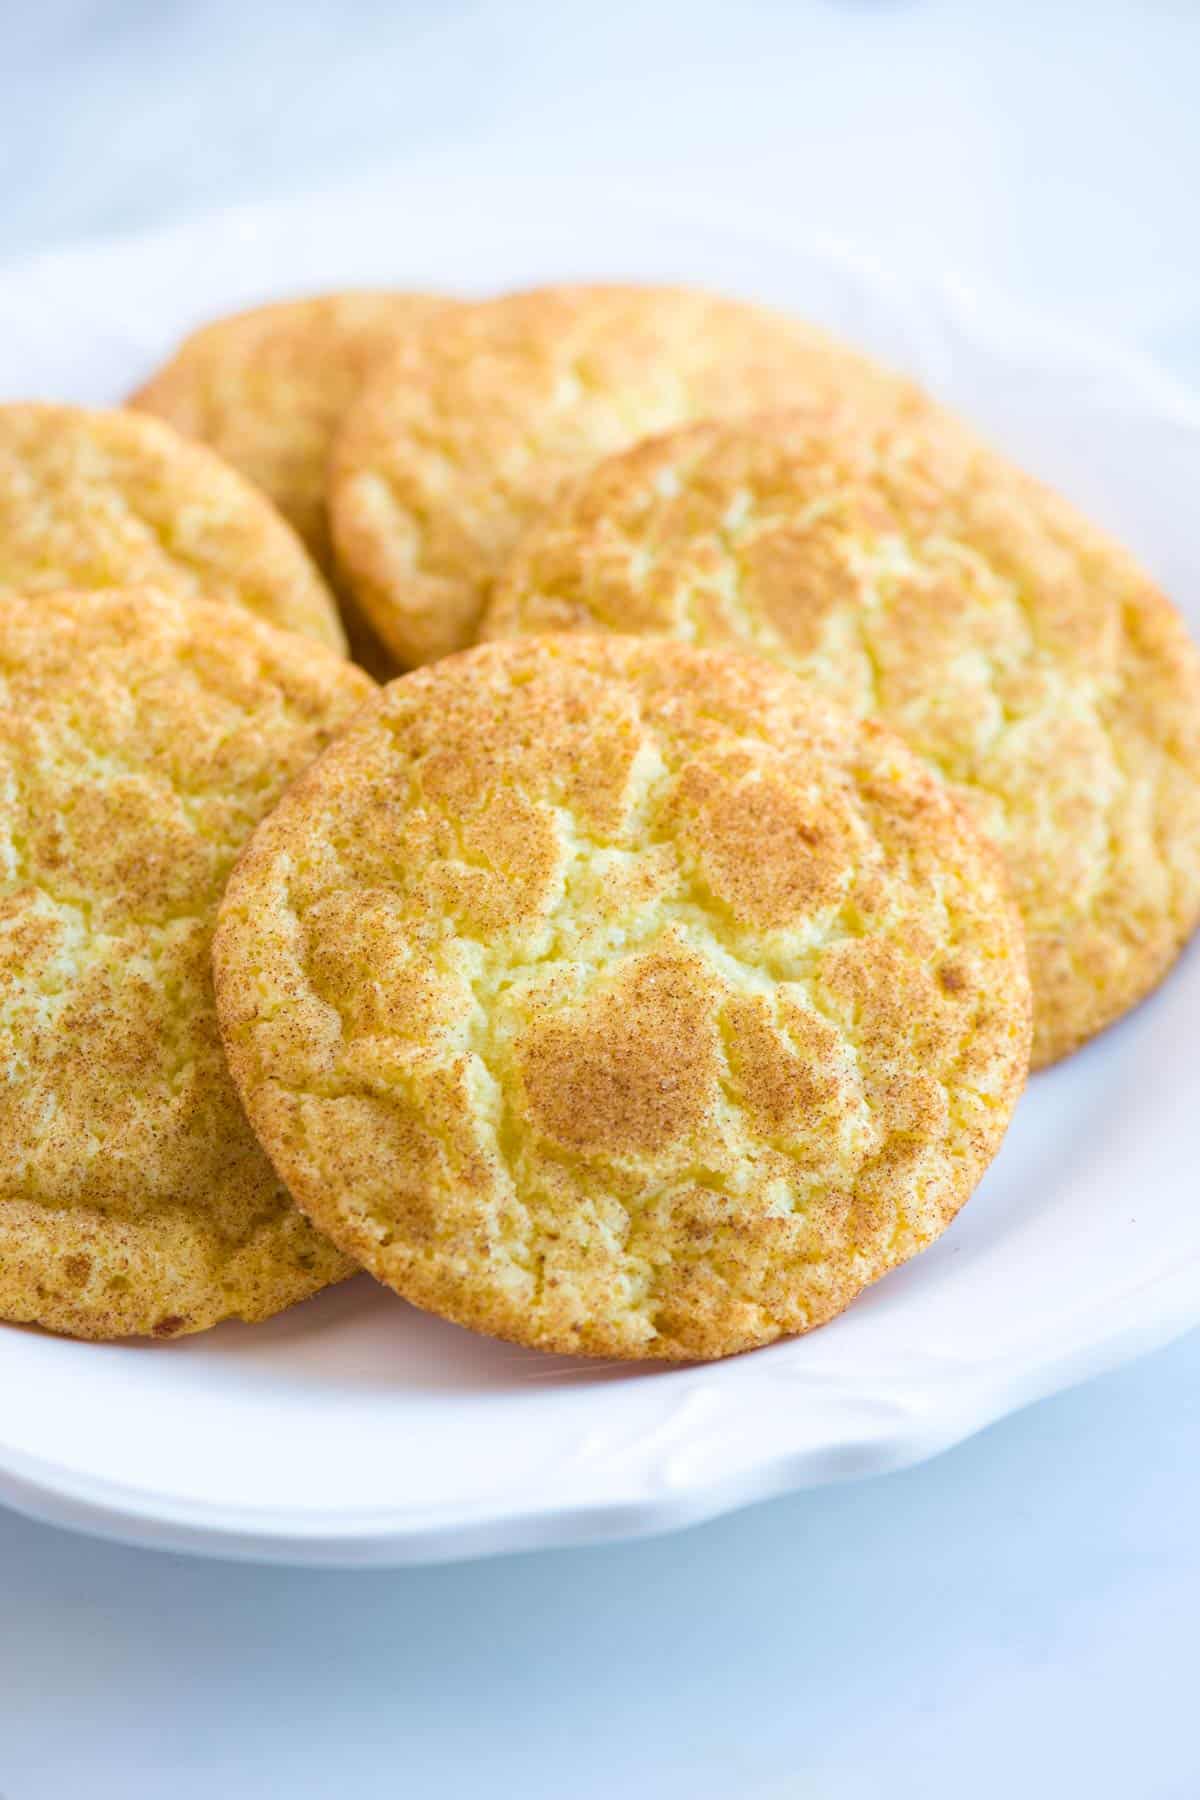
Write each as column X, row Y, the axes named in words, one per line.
column 462, row 438
column 92, row 499
column 142, row 737
column 621, row 998
column 914, row 575
column 267, row 389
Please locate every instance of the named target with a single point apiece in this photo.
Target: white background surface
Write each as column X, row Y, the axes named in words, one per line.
column 1021, row 1613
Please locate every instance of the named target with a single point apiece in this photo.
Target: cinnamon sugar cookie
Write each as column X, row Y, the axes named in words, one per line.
column 620, row 998
column 142, row 737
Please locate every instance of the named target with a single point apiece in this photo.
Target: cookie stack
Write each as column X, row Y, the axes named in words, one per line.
column 660, row 960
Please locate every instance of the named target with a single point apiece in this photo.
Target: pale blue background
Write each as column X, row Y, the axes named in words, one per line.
column 1017, row 1617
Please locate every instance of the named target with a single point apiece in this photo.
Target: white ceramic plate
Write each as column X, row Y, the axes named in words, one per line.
column 356, row 1430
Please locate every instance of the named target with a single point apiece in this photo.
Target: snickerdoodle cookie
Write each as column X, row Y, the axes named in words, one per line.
column 142, row 737
column 617, row 997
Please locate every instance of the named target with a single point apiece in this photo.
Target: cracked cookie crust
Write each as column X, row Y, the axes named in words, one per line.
column 620, row 998
column 462, row 438
column 141, row 740
column 117, row 499
column 913, row 575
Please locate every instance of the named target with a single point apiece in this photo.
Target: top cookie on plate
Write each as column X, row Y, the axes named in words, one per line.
column 458, row 441
column 113, row 499
column 267, row 389
column 619, row 997
column 911, row 573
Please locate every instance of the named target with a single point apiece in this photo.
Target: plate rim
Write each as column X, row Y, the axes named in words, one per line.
column 389, row 1537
